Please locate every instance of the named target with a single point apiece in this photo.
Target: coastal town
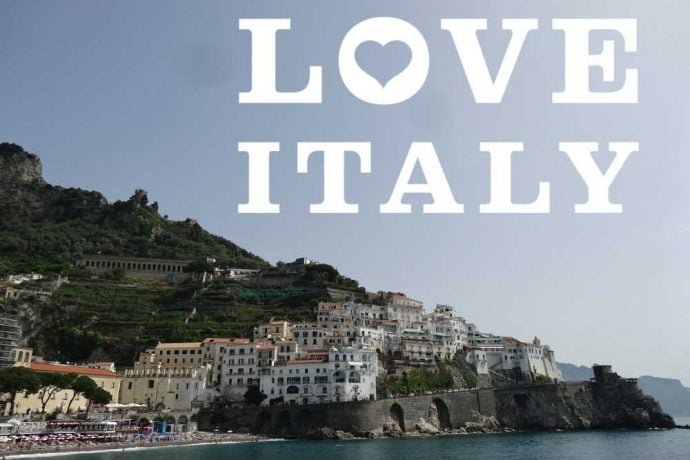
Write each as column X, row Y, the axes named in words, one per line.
column 342, row 356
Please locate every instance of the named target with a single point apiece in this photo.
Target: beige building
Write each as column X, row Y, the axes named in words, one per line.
column 308, row 335
column 181, row 355
column 23, row 356
column 273, row 330
column 333, row 315
column 108, row 380
column 170, row 376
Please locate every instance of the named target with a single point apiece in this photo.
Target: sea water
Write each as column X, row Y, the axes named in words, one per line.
column 623, row 444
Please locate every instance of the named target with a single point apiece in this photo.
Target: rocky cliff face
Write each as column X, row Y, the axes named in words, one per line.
column 620, row 403
column 18, row 167
column 606, row 403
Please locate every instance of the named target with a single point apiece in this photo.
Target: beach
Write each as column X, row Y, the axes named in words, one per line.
column 36, row 449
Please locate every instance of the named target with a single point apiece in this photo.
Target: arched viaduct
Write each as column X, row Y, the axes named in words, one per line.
column 447, row 410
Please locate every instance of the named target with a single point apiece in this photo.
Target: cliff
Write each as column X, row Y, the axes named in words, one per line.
column 607, row 402
column 18, row 166
column 673, row 397
column 45, row 228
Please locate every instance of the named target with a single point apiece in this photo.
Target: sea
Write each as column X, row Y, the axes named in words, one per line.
column 620, row 444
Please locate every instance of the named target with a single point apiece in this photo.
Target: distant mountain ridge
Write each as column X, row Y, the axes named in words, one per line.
column 45, row 228
column 671, row 394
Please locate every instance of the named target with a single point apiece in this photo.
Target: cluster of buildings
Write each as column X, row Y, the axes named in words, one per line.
column 180, row 376
column 332, row 359
column 335, row 358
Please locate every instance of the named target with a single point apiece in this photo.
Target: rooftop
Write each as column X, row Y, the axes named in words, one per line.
column 70, row 369
column 226, row 341
column 178, row 345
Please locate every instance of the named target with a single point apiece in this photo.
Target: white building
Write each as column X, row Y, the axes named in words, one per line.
column 443, row 325
column 240, row 273
column 286, row 350
column 408, row 313
column 345, row 374
column 369, row 337
column 489, row 356
column 233, row 366
column 366, row 314
column 23, row 278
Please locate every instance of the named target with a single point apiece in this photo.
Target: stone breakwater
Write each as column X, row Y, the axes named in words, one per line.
column 614, row 403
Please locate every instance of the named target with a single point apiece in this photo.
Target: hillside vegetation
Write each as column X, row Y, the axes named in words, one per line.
column 45, row 229
column 94, row 319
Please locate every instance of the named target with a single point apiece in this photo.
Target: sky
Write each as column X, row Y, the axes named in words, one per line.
column 116, row 96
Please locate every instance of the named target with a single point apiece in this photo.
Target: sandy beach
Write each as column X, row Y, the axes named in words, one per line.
column 184, row 439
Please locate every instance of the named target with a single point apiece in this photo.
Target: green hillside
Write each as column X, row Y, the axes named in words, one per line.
column 96, row 319
column 45, row 229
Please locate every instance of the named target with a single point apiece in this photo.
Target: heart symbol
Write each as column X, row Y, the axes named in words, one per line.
column 383, row 62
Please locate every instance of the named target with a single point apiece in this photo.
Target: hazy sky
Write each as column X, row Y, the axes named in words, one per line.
column 122, row 95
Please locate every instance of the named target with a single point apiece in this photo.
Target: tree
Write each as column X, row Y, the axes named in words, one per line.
column 51, row 384
column 14, row 380
column 81, row 386
column 198, row 267
column 254, row 396
column 97, row 395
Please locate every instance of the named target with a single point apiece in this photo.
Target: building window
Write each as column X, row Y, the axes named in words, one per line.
column 151, row 383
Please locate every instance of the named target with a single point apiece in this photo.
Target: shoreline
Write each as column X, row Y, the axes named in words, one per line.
column 225, row 439
column 205, row 440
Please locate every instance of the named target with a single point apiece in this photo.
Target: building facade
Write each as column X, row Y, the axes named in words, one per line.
column 169, row 376
column 339, row 375
column 10, row 334
column 60, row 400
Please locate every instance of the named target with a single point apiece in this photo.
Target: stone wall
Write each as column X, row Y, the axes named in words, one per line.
column 452, row 410
column 614, row 403
column 138, row 267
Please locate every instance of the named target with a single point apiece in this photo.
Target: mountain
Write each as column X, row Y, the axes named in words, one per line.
column 671, row 394
column 45, row 228
column 573, row 373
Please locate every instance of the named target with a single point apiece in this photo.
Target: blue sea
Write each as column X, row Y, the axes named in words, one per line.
column 671, row 444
